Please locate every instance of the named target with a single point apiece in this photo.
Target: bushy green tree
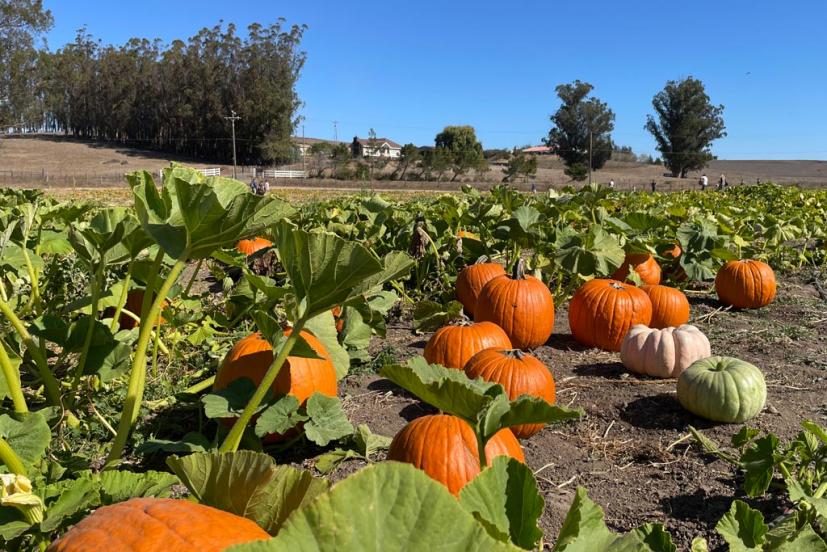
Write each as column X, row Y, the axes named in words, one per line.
column 460, row 144
column 409, row 156
column 576, row 119
column 523, row 166
column 687, row 124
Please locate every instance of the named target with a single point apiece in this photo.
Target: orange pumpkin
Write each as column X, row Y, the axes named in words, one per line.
column 300, row 377
column 519, row 373
column 746, row 284
column 644, row 264
column 602, row 311
column 445, row 448
column 248, row 247
column 521, row 305
column 158, row 525
column 472, row 279
column 134, row 303
column 337, row 316
column 669, row 306
column 452, row 346
column 671, row 251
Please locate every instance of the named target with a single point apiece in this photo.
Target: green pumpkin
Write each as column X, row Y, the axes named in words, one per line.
column 722, row 389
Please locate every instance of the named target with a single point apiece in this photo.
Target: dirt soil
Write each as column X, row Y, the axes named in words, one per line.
column 630, row 450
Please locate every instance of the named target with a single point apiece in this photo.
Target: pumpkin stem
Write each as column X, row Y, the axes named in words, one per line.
column 519, row 270
column 482, row 259
column 617, row 285
column 515, row 353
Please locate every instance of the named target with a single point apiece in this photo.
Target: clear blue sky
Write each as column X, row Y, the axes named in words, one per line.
column 408, row 69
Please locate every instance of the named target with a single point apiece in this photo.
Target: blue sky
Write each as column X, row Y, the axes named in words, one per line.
column 407, row 69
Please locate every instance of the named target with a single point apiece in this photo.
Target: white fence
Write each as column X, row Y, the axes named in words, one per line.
column 279, row 173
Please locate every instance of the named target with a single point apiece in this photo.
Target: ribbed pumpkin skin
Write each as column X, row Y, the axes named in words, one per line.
column 670, row 306
column 663, row 353
column 158, row 525
column 300, row 377
column 722, row 389
column 524, row 308
column 452, row 346
column 602, row 311
column 644, row 264
column 248, row 247
column 445, row 448
column 472, row 279
column 519, row 374
column 746, row 284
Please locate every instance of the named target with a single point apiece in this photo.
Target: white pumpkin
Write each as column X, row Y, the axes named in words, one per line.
column 663, row 353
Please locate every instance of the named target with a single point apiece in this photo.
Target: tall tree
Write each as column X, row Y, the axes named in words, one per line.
column 460, row 145
column 581, row 124
column 686, row 126
column 408, row 156
column 21, row 21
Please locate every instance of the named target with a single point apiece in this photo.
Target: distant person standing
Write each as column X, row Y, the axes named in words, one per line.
column 266, row 187
column 254, row 185
column 533, row 187
column 611, row 184
column 722, row 182
column 704, row 182
column 654, row 186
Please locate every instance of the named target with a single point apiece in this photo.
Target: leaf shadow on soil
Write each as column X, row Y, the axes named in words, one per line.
column 410, row 412
column 711, row 302
column 566, row 342
column 605, row 370
column 661, row 411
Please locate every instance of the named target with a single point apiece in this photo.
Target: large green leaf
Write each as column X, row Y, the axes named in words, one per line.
column 384, row 507
column 323, row 326
column 743, row 528
column 758, row 463
column 327, row 422
column 117, row 485
column 651, row 537
column 504, row 497
column 583, row 529
column 248, row 484
column 595, row 253
column 192, row 216
column 81, row 494
column 28, row 436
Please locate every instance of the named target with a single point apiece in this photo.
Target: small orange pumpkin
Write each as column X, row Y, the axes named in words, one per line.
column 300, row 377
column 452, row 346
column 134, row 303
column 602, row 311
column 671, row 251
column 669, row 306
column 445, row 448
column 521, row 305
column 519, row 373
column 643, row 264
column 248, row 247
column 158, row 525
column 746, row 284
column 472, row 279
column 337, row 316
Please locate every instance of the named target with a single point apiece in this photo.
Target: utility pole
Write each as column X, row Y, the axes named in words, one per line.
column 590, row 157
column 304, row 151
column 233, row 118
column 335, row 132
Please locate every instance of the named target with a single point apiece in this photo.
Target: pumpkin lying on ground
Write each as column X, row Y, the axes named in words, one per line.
column 722, row 389
column 445, row 448
column 602, row 311
column 158, row 525
column 248, row 247
column 519, row 373
column 669, row 306
column 452, row 346
column 745, row 284
column 643, row 264
column 300, row 377
column 472, row 279
column 521, row 305
column 663, row 353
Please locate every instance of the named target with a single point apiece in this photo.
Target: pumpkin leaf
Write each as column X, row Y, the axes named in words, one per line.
column 280, row 417
column 248, row 484
column 743, row 528
column 81, row 494
column 118, row 485
column 429, row 316
column 363, row 443
column 28, row 435
column 590, row 254
column 386, row 506
column 327, row 421
column 583, row 529
column 230, row 401
column 323, row 326
column 505, row 499
column 650, row 537
column 758, row 463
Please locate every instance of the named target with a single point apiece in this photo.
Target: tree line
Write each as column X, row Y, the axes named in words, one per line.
column 174, row 98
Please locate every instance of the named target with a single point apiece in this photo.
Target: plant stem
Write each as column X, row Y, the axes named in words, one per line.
column 149, row 290
column 49, row 382
column 137, row 375
column 233, row 438
column 192, row 278
column 122, row 299
column 157, row 340
column 90, row 331
column 200, row 386
column 481, row 452
column 12, row 381
column 34, row 298
column 10, row 458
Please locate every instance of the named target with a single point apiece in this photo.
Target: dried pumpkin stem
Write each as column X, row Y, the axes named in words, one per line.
column 519, row 270
column 137, row 375
column 233, row 439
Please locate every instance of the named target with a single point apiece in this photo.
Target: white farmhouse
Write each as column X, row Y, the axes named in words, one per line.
column 378, row 147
